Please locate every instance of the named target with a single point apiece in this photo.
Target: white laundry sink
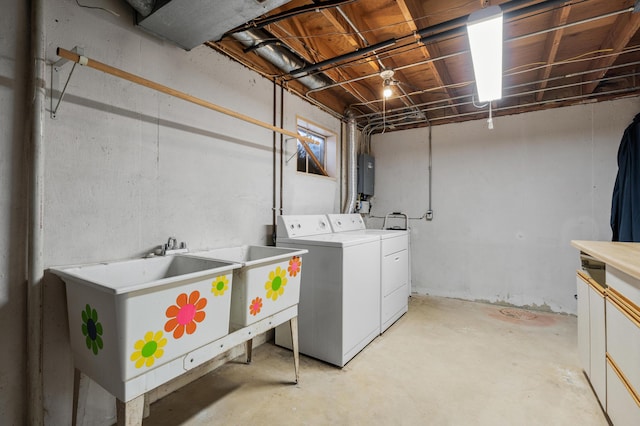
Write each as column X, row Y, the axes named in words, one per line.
column 129, row 317
column 267, row 283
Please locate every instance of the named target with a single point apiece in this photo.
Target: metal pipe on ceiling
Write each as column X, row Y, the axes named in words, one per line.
column 280, row 56
column 509, row 8
column 261, row 23
column 531, row 104
column 454, row 33
column 390, row 113
column 397, row 118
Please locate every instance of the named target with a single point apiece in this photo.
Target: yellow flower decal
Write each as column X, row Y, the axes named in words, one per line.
column 276, row 283
column 149, row 349
column 220, row 285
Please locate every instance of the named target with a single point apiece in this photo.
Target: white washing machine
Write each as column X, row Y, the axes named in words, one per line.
column 339, row 310
column 394, row 264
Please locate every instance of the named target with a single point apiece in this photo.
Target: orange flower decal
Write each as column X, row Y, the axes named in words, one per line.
column 185, row 315
column 255, row 306
column 295, row 265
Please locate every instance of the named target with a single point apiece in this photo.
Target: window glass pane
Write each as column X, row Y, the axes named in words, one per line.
column 305, row 163
column 302, row 158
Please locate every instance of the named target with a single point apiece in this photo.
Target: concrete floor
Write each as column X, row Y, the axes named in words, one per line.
column 446, row 362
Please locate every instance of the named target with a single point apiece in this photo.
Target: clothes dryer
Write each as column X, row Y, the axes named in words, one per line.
column 394, row 264
column 339, row 309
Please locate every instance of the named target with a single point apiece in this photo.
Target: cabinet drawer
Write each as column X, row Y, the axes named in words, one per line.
column 623, row 406
column 395, row 244
column 623, row 337
column 623, row 284
column 395, row 271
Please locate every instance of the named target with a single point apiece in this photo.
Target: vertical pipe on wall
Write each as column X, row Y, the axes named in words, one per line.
column 35, row 256
column 352, row 170
column 273, row 206
column 281, row 147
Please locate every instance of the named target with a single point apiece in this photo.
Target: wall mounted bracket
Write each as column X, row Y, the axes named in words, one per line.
column 55, row 78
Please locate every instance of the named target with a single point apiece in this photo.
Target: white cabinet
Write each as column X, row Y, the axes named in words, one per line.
column 394, row 279
column 623, row 348
column 591, row 333
column 609, row 329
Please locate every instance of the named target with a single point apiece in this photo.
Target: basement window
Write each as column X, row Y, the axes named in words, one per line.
column 318, row 158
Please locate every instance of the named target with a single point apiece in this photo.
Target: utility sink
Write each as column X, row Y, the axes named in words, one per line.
column 129, row 317
column 267, row 283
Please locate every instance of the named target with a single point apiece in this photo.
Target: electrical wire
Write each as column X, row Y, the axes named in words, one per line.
column 98, row 8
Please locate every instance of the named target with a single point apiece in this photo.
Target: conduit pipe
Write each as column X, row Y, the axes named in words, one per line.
column 35, row 257
column 274, row 155
column 352, row 135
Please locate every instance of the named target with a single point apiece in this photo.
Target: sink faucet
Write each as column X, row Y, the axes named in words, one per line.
column 171, row 247
column 171, row 243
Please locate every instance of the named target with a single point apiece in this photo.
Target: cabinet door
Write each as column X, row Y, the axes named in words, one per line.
column 623, row 338
column 622, row 407
column 598, row 349
column 583, row 325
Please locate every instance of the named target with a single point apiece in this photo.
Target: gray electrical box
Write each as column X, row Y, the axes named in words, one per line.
column 366, row 167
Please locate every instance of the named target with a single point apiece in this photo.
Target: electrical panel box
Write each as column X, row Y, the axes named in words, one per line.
column 366, row 168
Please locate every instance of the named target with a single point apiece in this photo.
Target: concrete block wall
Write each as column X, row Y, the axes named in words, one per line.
column 127, row 167
column 507, row 202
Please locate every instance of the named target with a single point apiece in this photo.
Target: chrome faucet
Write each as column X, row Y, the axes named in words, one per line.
column 171, row 247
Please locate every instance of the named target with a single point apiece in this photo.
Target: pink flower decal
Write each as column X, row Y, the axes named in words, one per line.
column 295, row 266
column 185, row 314
column 255, row 306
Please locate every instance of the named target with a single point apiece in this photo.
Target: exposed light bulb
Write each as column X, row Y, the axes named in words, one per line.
column 386, row 92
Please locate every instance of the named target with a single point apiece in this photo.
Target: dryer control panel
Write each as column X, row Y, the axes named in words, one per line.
column 292, row 226
column 346, row 222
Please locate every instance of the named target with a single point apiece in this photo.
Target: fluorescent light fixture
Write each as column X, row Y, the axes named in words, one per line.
column 484, row 28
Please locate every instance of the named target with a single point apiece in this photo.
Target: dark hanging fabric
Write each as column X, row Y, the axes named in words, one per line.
column 625, row 205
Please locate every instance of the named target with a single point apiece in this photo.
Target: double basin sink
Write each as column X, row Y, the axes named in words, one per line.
column 128, row 317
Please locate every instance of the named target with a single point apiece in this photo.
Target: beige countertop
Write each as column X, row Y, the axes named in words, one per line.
column 622, row 256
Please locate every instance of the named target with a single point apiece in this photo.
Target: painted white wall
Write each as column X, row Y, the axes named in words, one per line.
column 127, row 167
column 13, row 211
column 506, row 202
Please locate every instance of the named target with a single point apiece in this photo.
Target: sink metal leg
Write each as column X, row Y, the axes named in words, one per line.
column 248, row 345
column 293, row 322
column 130, row 413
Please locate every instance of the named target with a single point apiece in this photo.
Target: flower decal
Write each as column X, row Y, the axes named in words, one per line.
column 185, row 314
column 255, row 306
column 220, row 285
column 92, row 329
column 276, row 283
column 295, row 265
column 149, row 349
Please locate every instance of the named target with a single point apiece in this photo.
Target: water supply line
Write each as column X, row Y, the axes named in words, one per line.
column 274, row 155
column 282, row 153
column 35, row 256
column 352, row 129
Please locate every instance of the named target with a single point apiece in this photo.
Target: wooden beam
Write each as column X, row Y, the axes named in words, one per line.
column 560, row 18
column 356, row 42
column 439, row 71
column 622, row 30
column 295, row 45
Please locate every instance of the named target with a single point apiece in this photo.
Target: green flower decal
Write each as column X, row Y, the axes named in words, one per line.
column 92, row 329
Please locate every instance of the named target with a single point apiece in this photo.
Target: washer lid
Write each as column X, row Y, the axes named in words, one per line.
column 341, row 239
